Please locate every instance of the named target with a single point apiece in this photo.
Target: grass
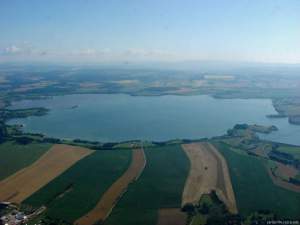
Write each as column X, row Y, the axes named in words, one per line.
column 254, row 189
column 14, row 157
column 77, row 191
column 199, row 219
column 210, row 208
column 160, row 186
column 293, row 150
column 206, row 199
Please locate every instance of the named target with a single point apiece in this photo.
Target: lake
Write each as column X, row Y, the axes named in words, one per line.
column 120, row 117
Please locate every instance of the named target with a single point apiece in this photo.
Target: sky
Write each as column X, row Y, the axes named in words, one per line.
column 150, row 30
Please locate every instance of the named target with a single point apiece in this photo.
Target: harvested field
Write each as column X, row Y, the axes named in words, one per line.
column 77, row 191
column 247, row 170
column 171, row 216
column 285, row 170
column 281, row 183
column 112, row 195
column 160, row 186
column 25, row 182
column 208, row 172
column 15, row 157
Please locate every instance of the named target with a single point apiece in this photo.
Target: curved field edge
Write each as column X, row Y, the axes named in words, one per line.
column 115, row 191
column 77, row 190
column 14, row 157
column 208, row 172
column 160, row 186
column 19, row 186
column 254, row 189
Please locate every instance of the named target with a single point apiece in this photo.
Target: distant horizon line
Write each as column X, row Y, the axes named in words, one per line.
column 143, row 62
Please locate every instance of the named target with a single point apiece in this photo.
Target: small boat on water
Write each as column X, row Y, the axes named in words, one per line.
column 74, row 106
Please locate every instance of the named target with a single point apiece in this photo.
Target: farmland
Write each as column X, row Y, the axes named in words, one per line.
column 77, row 190
column 14, row 157
column 208, row 172
column 254, row 189
column 156, row 197
column 25, row 182
column 293, row 150
column 115, row 191
column 160, row 186
column 211, row 210
column 280, row 175
column 172, row 216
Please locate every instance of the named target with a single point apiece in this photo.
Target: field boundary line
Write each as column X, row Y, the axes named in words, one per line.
column 229, row 198
column 208, row 172
column 115, row 192
column 50, row 165
column 282, row 184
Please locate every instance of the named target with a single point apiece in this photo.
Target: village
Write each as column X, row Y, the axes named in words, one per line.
column 11, row 214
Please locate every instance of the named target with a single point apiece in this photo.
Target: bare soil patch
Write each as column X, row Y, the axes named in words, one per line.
column 116, row 190
column 224, row 185
column 261, row 152
column 208, row 172
column 25, row 182
column 171, row 216
column 281, row 183
column 285, row 170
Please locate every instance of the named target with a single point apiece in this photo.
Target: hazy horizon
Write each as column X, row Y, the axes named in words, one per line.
column 150, row 31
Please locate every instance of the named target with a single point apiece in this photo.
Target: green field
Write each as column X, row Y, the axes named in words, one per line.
column 293, row 150
column 14, row 157
column 77, row 190
column 254, row 189
column 160, row 186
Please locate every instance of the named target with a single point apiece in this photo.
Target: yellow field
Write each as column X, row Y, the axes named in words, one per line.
column 208, row 172
column 25, row 182
column 112, row 195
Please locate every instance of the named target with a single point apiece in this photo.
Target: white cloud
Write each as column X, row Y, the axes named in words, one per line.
column 12, row 50
column 86, row 52
column 23, row 49
column 148, row 53
column 27, row 51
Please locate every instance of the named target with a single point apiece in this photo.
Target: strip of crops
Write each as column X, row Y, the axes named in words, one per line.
column 78, row 190
column 254, row 189
column 160, row 186
column 14, row 157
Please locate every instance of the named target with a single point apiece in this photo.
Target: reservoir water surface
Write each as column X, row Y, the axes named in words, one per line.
column 119, row 117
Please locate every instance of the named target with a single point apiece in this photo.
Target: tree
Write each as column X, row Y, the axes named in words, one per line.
column 189, row 208
column 204, row 208
column 24, row 140
column 3, row 132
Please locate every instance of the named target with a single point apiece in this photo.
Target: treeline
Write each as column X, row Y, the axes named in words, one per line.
column 214, row 212
column 284, row 158
column 27, row 138
column 3, row 132
column 23, row 113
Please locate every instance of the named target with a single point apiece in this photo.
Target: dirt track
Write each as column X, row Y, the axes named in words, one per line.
column 25, row 182
column 171, row 216
column 208, row 172
column 113, row 194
